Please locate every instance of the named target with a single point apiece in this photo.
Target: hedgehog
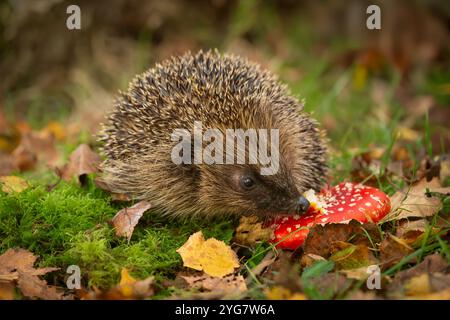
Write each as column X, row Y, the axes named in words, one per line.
column 222, row 91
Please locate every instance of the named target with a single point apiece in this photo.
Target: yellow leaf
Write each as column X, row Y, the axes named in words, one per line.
column 126, row 283
column 251, row 231
column 282, row 293
column 441, row 295
column 13, row 184
column 212, row 256
column 418, row 285
column 56, row 129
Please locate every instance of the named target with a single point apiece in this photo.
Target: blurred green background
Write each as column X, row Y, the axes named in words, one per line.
column 364, row 86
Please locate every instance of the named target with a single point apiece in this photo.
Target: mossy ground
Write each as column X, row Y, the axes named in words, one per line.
column 69, row 225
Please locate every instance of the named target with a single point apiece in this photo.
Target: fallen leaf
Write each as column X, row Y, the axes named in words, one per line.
column 418, row 285
column 13, row 184
column 128, row 288
column 212, row 256
column 414, row 202
column 82, row 161
column 229, row 285
column 268, row 259
column 282, row 293
column 36, row 147
column 412, row 231
column 428, row 169
column 132, row 288
column 328, row 286
column 442, row 295
column 357, row 273
column 406, row 227
column 24, row 159
column 9, row 136
column 351, row 256
column 363, row 295
column 16, row 265
column 284, row 272
column 56, row 129
column 425, row 285
column 309, row 259
column 126, row 219
column 434, row 263
column 6, row 164
column 321, row 238
column 251, row 231
column 392, row 250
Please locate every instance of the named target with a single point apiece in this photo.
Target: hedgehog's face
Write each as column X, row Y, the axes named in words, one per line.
column 241, row 190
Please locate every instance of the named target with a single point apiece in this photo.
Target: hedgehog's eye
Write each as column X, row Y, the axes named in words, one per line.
column 247, row 182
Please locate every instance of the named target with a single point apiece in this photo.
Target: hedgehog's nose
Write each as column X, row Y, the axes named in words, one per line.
column 302, row 204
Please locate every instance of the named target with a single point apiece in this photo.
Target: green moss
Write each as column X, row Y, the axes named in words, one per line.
column 69, row 225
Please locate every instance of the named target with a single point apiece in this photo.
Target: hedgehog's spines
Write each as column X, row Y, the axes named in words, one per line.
column 222, row 91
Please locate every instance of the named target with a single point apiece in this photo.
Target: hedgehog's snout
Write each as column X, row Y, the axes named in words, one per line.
column 302, row 204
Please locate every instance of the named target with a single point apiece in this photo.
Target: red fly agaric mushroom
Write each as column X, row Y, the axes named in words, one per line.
column 340, row 204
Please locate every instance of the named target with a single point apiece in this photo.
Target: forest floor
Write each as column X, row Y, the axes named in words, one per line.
column 387, row 127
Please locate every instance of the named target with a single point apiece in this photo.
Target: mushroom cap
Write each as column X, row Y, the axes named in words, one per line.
column 340, row 204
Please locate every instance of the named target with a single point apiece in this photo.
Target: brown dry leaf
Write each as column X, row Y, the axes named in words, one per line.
column 128, row 288
column 321, row 238
column 268, row 259
column 16, row 265
column 412, row 231
column 36, row 147
column 357, row 274
column 24, row 159
column 413, row 202
column 363, row 295
column 6, row 164
column 229, row 285
column 428, row 169
column 126, row 219
column 392, row 250
column 434, row 263
column 212, row 256
column 309, row 259
column 82, row 162
column 331, row 284
column 351, row 256
column 13, row 184
column 406, row 227
column 250, row 231
column 282, row 293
